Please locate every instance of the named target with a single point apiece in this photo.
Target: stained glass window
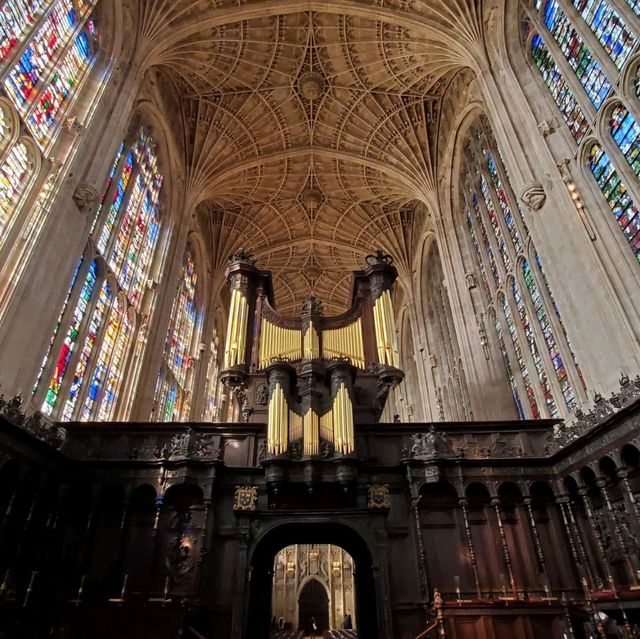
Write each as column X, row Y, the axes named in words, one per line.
column 36, row 62
column 92, row 334
column 635, row 5
column 529, row 316
column 510, row 375
column 109, row 369
column 608, row 27
column 587, row 69
column 532, row 343
column 485, row 240
column 69, row 345
column 17, row 17
column 562, row 94
column 67, row 298
column 522, row 365
column 16, row 175
column 65, row 78
column 495, row 225
column 615, row 192
column 127, row 228
column 549, row 337
column 478, row 255
column 504, row 205
column 626, row 133
column 178, row 352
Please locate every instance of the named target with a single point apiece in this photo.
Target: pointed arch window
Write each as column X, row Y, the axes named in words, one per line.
column 18, row 173
column 17, row 18
column 605, row 157
column 51, row 67
column 537, row 354
column 99, row 321
column 612, row 33
column 173, row 390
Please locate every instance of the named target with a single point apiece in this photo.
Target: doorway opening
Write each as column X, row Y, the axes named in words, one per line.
column 313, row 584
column 301, row 571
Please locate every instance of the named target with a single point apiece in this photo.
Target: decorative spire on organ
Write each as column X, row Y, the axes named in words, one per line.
column 320, row 376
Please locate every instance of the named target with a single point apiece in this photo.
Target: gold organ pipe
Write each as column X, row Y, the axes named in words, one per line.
column 326, row 426
column 295, row 426
column 393, row 338
column 231, row 348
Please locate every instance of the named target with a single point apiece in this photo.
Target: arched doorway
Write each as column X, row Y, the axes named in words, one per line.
column 258, row 612
column 313, row 604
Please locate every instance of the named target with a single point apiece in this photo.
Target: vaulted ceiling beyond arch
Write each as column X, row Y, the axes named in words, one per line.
column 309, row 125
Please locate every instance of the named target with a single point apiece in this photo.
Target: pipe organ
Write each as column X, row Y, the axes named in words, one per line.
column 311, row 378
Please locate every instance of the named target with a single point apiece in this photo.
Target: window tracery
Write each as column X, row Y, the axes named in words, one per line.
column 108, row 292
column 174, row 386
column 617, row 40
column 538, row 358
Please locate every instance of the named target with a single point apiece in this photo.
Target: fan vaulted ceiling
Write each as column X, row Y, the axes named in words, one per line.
column 308, row 125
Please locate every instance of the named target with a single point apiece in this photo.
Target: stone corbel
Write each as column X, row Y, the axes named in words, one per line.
column 86, row 198
column 534, row 196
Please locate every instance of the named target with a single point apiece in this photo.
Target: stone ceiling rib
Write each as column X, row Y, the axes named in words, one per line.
column 308, row 125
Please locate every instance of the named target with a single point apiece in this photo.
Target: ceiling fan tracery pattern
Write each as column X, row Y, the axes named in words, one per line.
column 333, row 99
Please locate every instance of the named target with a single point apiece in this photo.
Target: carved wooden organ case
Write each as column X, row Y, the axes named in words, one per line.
column 311, row 378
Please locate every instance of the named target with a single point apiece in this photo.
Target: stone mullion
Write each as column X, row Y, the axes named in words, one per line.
column 108, row 361
column 94, row 355
column 446, row 327
column 65, row 387
column 65, row 321
column 528, row 355
column 423, row 375
column 510, row 196
column 483, row 252
column 491, row 238
column 444, row 353
column 569, row 75
column 514, row 362
column 628, row 15
column 591, row 41
column 115, row 229
column 562, row 340
column 543, row 349
column 619, row 161
column 563, row 65
column 153, row 356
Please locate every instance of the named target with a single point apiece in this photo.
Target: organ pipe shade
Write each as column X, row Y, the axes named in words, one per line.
column 326, row 426
column 235, row 347
column 278, row 422
column 311, row 343
column 295, row 426
column 277, row 342
column 342, row 416
column 386, row 338
column 311, row 426
column 345, row 342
